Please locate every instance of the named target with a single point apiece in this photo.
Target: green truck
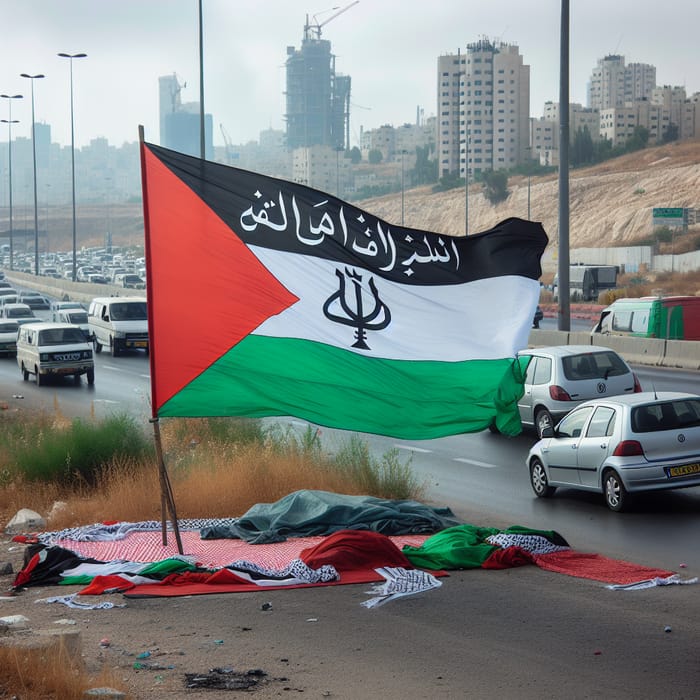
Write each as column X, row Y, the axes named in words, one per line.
column 670, row 317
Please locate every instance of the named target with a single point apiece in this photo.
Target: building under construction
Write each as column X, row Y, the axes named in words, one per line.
column 318, row 99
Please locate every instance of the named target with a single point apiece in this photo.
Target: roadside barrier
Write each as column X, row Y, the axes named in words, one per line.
column 682, row 353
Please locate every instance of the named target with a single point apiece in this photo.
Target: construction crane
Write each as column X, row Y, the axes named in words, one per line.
column 227, row 144
column 316, row 26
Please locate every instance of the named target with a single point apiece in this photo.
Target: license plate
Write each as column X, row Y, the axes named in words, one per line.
column 685, row 470
column 139, row 344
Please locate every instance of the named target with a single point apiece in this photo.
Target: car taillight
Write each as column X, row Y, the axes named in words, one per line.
column 637, row 385
column 558, row 394
column 628, row 448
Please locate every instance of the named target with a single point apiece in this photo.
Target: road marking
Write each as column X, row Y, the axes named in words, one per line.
column 410, row 447
column 485, row 465
column 104, row 401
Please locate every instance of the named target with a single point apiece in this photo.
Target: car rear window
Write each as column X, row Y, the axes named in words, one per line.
column 668, row 415
column 9, row 327
column 593, row 365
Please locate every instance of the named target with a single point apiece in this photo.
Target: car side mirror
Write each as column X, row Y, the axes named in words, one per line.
column 547, row 432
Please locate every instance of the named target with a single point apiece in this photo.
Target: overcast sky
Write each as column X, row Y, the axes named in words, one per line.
column 388, row 47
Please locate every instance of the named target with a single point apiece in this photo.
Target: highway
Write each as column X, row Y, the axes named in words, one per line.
column 482, row 477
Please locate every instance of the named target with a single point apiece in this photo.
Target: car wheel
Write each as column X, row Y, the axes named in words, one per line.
column 90, row 376
column 616, row 496
column 494, row 429
column 97, row 346
column 538, row 480
column 25, row 373
column 37, row 376
column 113, row 347
column 543, row 419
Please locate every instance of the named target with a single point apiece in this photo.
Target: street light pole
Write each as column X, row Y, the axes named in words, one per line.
column 36, row 213
column 402, row 187
column 70, row 58
column 10, row 121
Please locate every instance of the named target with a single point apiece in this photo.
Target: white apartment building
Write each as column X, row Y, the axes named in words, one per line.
column 483, row 109
column 613, row 84
column 321, row 167
column 618, row 123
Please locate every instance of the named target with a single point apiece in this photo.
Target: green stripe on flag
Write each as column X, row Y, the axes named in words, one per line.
column 337, row 388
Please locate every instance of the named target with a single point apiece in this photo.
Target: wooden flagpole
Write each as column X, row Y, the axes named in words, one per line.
column 167, row 500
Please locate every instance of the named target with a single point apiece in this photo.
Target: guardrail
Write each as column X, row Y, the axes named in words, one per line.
column 67, row 289
column 682, row 354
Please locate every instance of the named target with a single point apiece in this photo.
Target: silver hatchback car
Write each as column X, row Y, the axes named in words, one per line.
column 560, row 377
column 621, row 445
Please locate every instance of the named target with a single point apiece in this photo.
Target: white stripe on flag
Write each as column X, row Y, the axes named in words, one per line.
column 486, row 319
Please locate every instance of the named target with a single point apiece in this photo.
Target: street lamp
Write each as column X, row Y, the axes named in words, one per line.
column 10, row 121
column 70, row 57
column 36, row 214
column 402, row 186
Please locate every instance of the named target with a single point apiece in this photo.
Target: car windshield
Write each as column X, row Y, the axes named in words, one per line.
column 593, row 365
column 669, row 415
column 61, row 336
column 131, row 311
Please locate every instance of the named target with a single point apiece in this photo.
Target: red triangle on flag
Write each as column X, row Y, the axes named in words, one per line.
column 206, row 289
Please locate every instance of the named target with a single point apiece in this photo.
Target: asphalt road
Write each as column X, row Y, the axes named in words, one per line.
column 518, row 633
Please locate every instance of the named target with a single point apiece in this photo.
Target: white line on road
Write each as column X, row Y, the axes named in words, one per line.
column 410, row 447
column 485, row 465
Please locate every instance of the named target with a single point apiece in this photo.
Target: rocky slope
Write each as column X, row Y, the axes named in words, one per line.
column 610, row 204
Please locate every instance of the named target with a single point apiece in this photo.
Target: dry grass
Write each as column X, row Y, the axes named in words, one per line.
column 40, row 674
column 211, row 475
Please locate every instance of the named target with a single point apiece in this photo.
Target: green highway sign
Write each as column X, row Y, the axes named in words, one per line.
column 670, row 216
column 668, row 212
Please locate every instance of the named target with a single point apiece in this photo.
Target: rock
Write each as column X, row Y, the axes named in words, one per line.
column 25, row 520
column 5, row 568
column 57, row 508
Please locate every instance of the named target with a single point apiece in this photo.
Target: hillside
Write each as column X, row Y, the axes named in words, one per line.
column 610, row 204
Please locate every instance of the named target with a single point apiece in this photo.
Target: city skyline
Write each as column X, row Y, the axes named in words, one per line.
column 130, row 44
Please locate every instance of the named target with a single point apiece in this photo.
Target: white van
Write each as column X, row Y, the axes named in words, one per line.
column 118, row 323
column 54, row 349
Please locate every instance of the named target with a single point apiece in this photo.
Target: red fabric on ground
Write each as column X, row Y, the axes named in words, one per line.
column 597, row 567
column 355, row 549
column 508, row 558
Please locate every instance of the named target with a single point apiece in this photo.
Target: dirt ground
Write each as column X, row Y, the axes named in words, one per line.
column 524, row 633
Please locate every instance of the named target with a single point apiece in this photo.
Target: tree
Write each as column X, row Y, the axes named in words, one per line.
column 355, row 155
column 375, row 156
column 426, row 169
column 495, row 185
column 671, row 133
column 582, row 148
column 638, row 140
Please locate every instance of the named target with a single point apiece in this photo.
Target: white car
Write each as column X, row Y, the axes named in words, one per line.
column 8, row 336
column 621, row 445
column 560, row 377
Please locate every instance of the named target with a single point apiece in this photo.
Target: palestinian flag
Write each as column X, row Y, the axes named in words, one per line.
column 269, row 298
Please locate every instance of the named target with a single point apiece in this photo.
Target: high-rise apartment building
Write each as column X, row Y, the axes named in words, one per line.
column 613, row 84
column 318, row 99
column 483, row 109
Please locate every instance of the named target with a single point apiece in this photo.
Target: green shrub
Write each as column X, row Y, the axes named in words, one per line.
column 82, row 450
column 385, row 478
